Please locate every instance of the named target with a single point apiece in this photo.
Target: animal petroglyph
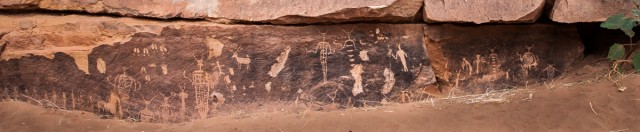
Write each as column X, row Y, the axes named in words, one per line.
column 403, row 58
column 214, row 47
column 356, row 74
column 241, row 60
column 325, row 50
column 165, row 108
column 101, row 65
column 466, row 66
column 389, row 81
column 278, row 66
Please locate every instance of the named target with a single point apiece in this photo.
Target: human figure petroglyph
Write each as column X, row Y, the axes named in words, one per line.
column 550, row 71
column 123, row 85
column 202, row 84
column 281, row 60
column 183, row 105
column 389, row 81
column 356, row 74
column 165, row 108
column 325, row 50
column 146, row 115
column 73, row 100
column 403, row 58
column 529, row 61
column 478, row 62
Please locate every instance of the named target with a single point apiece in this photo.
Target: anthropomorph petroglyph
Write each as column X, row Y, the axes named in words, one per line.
column 165, row 108
column 389, row 81
column 282, row 59
column 146, row 115
column 325, row 50
column 122, row 86
column 183, row 106
column 466, row 66
column 478, row 62
column 214, row 47
column 403, row 58
column 350, row 46
column 529, row 61
column 356, row 74
column 202, row 84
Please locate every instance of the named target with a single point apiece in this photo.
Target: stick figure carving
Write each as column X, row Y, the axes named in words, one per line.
column 478, row 62
column 165, row 108
column 146, row 115
column 325, row 50
column 183, row 107
column 402, row 55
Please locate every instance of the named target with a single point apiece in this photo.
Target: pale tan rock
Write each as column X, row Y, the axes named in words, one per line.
column 483, row 11
column 573, row 11
column 262, row 11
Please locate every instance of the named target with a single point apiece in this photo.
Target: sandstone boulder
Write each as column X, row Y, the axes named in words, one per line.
column 479, row 59
column 261, row 11
column 483, row 11
column 190, row 71
column 574, row 11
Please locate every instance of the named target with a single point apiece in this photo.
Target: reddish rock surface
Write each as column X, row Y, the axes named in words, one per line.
column 574, row 11
column 478, row 59
column 187, row 70
column 483, row 11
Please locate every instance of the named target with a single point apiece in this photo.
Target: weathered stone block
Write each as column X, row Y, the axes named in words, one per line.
column 483, row 11
column 573, row 11
column 477, row 59
column 186, row 72
column 263, row 11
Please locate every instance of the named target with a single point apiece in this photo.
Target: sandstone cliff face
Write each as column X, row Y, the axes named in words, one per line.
column 196, row 65
column 262, row 11
column 483, row 11
column 574, row 11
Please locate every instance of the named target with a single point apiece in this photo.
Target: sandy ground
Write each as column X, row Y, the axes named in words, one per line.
column 583, row 100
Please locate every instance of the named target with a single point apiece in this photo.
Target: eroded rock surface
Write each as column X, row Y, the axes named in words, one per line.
column 263, row 11
column 478, row 59
column 187, row 72
column 483, row 11
column 574, row 11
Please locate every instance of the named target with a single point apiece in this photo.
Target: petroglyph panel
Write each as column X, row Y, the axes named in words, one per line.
column 478, row 59
column 195, row 72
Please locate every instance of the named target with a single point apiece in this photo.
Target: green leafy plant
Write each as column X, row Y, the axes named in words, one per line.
column 625, row 22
